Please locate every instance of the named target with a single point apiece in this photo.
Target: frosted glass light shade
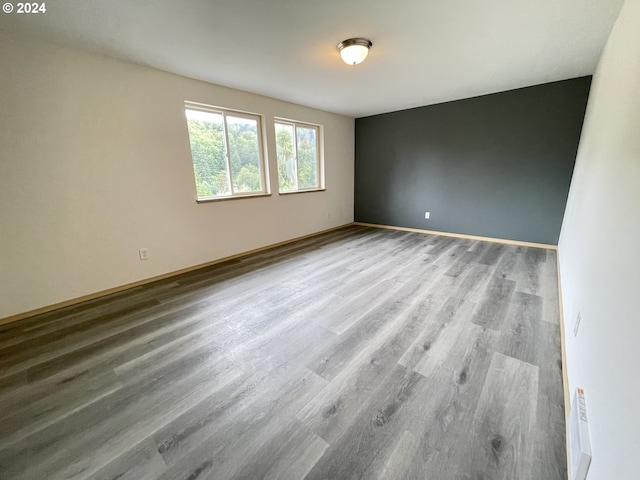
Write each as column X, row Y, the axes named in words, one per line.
column 354, row 50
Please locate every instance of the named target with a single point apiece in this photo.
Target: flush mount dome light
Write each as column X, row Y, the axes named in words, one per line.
column 354, row 50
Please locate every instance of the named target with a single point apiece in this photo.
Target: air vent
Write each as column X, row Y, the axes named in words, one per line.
column 579, row 443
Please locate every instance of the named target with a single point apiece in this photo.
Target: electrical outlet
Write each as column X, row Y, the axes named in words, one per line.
column 577, row 324
column 328, row 215
column 144, row 254
column 427, row 215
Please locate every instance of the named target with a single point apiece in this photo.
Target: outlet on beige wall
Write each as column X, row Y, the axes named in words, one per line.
column 96, row 162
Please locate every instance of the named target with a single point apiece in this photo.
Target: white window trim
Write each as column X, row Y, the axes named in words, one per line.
column 264, row 170
column 319, row 157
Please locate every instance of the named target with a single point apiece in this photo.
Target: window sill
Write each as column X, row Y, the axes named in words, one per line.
column 303, row 191
column 234, row 197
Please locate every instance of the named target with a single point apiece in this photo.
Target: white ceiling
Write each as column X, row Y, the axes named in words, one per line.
column 424, row 51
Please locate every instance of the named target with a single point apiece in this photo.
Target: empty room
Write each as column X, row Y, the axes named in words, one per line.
column 319, row 240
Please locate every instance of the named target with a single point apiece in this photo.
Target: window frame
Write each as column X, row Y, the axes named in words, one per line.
column 263, row 166
column 319, row 153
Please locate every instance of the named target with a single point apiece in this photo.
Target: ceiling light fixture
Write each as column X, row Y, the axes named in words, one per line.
column 354, row 50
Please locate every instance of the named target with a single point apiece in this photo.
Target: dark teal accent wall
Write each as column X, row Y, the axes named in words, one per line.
column 498, row 165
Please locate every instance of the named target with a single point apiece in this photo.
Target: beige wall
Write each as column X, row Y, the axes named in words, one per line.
column 600, row 256
column 95, row 164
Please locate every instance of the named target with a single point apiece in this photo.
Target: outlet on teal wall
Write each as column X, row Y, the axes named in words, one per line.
column 498, row 166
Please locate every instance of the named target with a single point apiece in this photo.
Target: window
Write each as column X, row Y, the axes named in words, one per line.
column 227, row 153
column 298, row 152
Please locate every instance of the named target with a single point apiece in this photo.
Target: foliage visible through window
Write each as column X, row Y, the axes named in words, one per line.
column 298, row 156
column 226, row 149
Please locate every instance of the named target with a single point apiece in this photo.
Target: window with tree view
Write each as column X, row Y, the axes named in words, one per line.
column 298, row 155
column 226, row 148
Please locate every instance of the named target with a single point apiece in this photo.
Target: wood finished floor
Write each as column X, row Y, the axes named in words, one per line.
column 361, row 353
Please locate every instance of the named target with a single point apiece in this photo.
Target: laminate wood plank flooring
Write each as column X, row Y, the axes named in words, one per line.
column 359, row 353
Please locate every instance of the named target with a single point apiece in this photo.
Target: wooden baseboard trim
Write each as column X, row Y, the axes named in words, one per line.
column 109, row 291
column 565, row 375
column 462, row 235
